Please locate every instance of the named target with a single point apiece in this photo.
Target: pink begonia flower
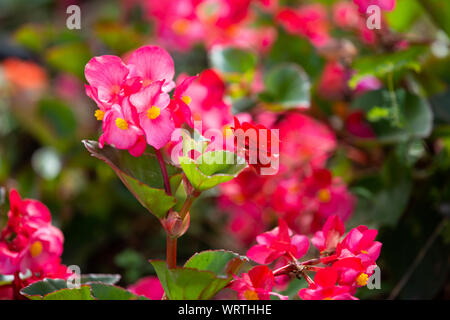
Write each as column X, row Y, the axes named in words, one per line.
column 368, row 83
column 357, row 125
column 176, row 23
column 154, row 118
column 333, row 81
column 310, row 21
column 256, row 284
column 330, row 196
column 180, row 103
column 46, row 244
column 351, row 272
column 105, row 75
column 387, row 5
column 346, row 15
column 359, row 242
column 278, row 242
column 149, row 287
column 325, row 288
column 152, row 63
column 120, row 128
column 328, row 238
column 304, row 140
column 29, row 241
column 208, row 104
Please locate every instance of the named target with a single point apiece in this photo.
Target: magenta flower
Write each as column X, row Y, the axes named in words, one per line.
column 256, row 284
column 387, row 5
column 106, row 75
column 29, row 241
column 149, row 287
column 328, row 238
column 179, row 105
column 360, row 243
column 325, row 288
column 152, row 63
column 278, row 242
column 310, row 21
column 44, row 247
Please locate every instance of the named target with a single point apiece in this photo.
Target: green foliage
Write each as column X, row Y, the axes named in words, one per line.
column 287, row 87
column 415, row 119
column 381, row 65
column 201, row 278
column 142, row 176
column 212, row 168
column 234, row 62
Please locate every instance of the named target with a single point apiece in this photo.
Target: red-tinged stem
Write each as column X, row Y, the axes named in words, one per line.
column 307, row 278
column 162, row 165
column 284, row 270
column 171, row 252
column 17, row 286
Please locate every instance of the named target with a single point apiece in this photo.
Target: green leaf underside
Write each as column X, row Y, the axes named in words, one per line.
column 211, row 168
column 233, row 60
column 288, row 86
column 141, row 175
column 56, row 289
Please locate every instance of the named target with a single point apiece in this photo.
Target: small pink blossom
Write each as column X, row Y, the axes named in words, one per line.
column 149, row 287
column 276, row 243
column 255, row 285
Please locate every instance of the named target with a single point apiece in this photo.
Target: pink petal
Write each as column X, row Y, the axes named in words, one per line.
column 153, row 63
column 157, row 131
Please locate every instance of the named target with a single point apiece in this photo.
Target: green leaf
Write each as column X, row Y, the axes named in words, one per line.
column 381, row 65
column 212, row 168
column 141, row 175
column 233, row 62
column 287, row 87
column 93, row 286
column 69, row 57
column 440, row 13
column 103, row 278
column 43, row 287
column 221, row 262
column 103, row 291
column 83, row 293
column 415, row 113
column 201, row 278
column 383, row 198
column 404, row 15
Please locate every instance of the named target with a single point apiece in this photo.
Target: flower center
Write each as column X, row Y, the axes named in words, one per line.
column 146, row 82
column 115, row 89
column 36, row 249
column 227, row 131
column 186, row 99
column 99, row 114
column 364, row 251
column 153, row 112
column 181, row 26
column 251, row 295
column 324, row 195
column 121, row 124
column 362, row 279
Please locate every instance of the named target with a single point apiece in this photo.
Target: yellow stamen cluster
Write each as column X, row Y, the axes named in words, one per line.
column 122, row 124
column 36, row 249
column 324, row 195
column 251, row 295
column 186, row 99
column 181, row 26
column 99, row 114
column 227, row 131
column 153, row 112
column 362, row 279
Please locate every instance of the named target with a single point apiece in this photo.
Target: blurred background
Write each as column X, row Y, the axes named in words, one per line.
column 401, row 181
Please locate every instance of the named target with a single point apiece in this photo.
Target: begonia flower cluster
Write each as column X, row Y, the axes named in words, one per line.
column 344, row 264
